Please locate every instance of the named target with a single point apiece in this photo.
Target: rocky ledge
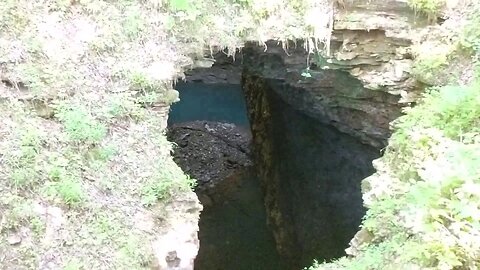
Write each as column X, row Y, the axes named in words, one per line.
column 212, row 153
column 363, row 80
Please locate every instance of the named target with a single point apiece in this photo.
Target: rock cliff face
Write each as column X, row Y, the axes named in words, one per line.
column 311, row 176
column 361, row 86
column 318, row 122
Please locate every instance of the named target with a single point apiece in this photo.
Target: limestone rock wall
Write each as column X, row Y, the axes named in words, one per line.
column 361, row 86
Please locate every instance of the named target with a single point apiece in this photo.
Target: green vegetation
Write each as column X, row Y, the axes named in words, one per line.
column 444, row 56
column 427, row 67
column 101, row 154
column 123, row 106
column 79, row 125
column 164, row 183
column 426, row 214
column 17, row 214
column 132, row 252
column 68, row 189
column 470, row 36
column 23, row 163
column 452, row 109
column 90, row 151
column 88, row 159
column 140, row 81
column 431, row 8
column 430, row 143
column 423, row 201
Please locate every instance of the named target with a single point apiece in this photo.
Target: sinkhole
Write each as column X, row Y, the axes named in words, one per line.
column 312, row 182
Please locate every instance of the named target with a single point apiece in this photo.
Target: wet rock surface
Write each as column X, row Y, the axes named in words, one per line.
column 210, row 152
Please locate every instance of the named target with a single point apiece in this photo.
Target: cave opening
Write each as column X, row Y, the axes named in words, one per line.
column 281, row 210
column 211, row 129
column 312, row 182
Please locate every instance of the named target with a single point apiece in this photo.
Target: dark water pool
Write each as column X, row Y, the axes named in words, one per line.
column 218, row 102
column 233, row 234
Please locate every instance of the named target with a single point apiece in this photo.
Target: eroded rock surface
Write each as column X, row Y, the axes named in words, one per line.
column 210, row 152
column 361, row 85
column 311, row 176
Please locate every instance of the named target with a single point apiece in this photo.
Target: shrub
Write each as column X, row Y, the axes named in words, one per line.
column 470, row 36
column 427, row 68
column 423, row 208
column 23, row 177
column 454, row 110
column 23, row 163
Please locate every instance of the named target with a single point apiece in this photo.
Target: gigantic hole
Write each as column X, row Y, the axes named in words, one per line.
column 308, row 185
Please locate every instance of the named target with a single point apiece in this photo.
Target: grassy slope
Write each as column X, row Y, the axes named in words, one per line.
column 82, row 153
column 85, row 85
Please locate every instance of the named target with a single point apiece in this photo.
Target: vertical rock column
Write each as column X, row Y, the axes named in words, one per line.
column 259, row 110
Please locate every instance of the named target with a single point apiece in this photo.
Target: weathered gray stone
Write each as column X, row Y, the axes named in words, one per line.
column 14, row 239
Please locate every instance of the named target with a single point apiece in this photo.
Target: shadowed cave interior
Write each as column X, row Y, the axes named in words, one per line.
column 319, row 168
